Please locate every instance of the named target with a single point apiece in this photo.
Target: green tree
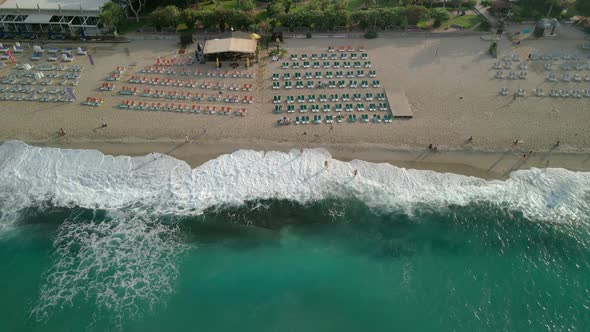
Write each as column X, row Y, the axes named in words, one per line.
column 112, row 15
column 275, row 8
column 189, row 16
column 439, row 15
column 247, row 5
column 165, row 16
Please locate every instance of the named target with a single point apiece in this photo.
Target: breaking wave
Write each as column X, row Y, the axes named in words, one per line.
column 167, row 186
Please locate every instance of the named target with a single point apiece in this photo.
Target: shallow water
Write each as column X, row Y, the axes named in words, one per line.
column 87, row 245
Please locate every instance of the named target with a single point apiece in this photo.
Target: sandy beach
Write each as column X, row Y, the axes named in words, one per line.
column 448, row 81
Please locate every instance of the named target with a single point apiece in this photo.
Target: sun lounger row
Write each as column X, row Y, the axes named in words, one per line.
column 177, row 61
column 45, row 97
column 329, row 74
column 566, row 77
column 512, row 75
column 326, row 64
column 348, row 48
column 554, row 56
column 330, row 84
column 184, row 108
column 187, row 72
column 325, row 56
column 540, row 92
column 315, row 108
column 317, row 119
column 40, row 81
column 311, row 98
column 152, row 93
column 55, row 67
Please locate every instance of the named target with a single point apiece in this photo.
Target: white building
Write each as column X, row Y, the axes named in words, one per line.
column 67, row 16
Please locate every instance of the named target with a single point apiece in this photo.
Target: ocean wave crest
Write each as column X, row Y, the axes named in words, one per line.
column 90, row 179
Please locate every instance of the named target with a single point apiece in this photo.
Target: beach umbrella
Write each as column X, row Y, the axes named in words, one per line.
column 217, row 62
column 255, row 36
column 247, row 62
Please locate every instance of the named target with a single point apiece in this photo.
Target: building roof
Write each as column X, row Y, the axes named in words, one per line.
column 89, row 5
column 236, row 45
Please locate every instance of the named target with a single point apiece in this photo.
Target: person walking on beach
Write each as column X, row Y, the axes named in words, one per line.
column 430, row 146
column 326, row 164
column 186, row 138
column 557, row 143
column 470, row 139
column 355, row 172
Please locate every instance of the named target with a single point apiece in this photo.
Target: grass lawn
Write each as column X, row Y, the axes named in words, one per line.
column 227, row 4
column 355, row 4
column 466, row 22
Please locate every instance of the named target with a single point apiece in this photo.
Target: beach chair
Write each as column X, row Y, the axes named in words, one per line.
column 302, row 108
column 310, row 85
column 295, row 65
column 316, row 64
column 317, row 119
column 586, row 93
column 343, row 56
column 520, row 92
column 289, row 99
column 304, row 56
column 504, row 91
column 318, row 74
column 353, row 56
column 523, row 74
column 36, row 56
column 357, row 97
column 285, row 65
column 278, row 109
column 311, row 98
column 289, row 85
column 276, row 99
column 364, row 84
column 308, row 75
column 290, row 108
column 349, row 108
column 323, row 56
column 326, row 64
column 554, row 93
column 552, row 77
column 565, row 77
column 360, row 107
column 564, row 93
column 345, row 97
column 315, row 108
column 383, row 106
column 511, row 75
column 301, row 99
column 81, row 51
column 346, row 64
column 376, row 118
column 297, row 76
column 306, row 64
column 329, row 74
column 339, row 74
column 294, row 57
column 577, row 77
column 364, row 118
column 352, row 118
column 353, row 84
column 326, row 108
column 275, row 77
column 372, row 107
column 334, row 97
column 338, row 108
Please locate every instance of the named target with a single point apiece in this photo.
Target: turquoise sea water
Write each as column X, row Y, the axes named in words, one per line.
column 338, row 263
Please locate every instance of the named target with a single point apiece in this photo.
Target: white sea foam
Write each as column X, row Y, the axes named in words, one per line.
column 89, row 179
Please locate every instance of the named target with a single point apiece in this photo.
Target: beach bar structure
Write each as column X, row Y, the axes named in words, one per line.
column 62, row 16
column 229, row 47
